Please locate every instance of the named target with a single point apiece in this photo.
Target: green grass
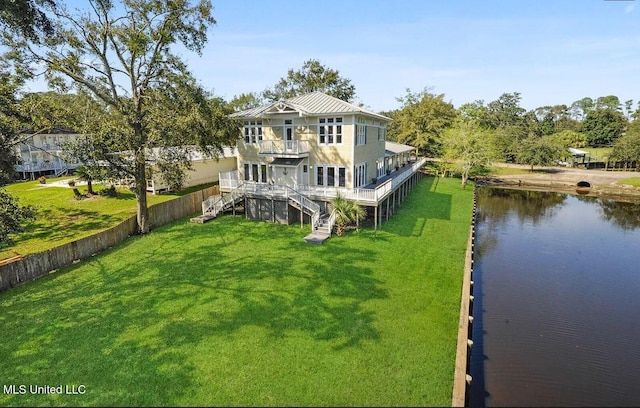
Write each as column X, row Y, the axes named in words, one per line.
column 62, row 219
column 632, row 181
column 240, row 312
column 597, row 152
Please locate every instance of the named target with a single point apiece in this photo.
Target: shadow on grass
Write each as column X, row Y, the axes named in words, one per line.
column 126, row 322
column 73, row 222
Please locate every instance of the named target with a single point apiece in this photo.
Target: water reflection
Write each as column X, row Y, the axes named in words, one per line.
column 556, row 286
column 526, row 205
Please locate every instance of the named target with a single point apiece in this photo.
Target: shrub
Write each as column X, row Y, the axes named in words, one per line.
column 109, row 192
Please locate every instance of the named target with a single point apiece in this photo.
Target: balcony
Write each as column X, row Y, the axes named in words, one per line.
column 372, row 194
column 283, row 148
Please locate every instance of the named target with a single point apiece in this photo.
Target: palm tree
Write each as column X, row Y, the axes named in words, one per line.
column 84, row 174
column 347, row 212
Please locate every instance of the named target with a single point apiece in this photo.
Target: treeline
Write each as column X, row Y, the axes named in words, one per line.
column 424, row 117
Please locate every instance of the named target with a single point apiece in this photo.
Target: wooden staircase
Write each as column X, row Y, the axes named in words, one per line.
column 321, row 224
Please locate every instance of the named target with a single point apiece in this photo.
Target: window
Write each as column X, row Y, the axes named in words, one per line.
column 330, row 131
column 331, row 176
column 255, row 172
column 252, row 131
column 381, row 133
column 288, row 129
column 361, row 132
column 380, row 166
column 360, row 175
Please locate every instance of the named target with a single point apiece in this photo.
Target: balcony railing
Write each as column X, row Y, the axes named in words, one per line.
column 283, row 147
column 231, row 180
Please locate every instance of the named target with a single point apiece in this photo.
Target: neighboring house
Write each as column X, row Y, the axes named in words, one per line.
column 205, row 169
column 296, row 155
column 40, row 153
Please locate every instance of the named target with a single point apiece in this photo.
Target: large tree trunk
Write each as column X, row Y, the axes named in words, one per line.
column 141, row 197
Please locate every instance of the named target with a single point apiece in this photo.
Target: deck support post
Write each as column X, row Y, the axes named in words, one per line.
column 375, row 218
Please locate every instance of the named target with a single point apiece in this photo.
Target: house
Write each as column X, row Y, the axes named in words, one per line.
column 204, row 169
column 296, row 155
column 40, row 153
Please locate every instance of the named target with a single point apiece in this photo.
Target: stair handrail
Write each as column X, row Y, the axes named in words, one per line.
column 331, row 221
column 305, row 202
column 215, row 204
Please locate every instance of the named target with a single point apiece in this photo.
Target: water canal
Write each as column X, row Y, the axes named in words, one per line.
column 557, row 300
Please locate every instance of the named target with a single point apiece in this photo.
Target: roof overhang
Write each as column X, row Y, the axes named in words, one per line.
column 286, row 162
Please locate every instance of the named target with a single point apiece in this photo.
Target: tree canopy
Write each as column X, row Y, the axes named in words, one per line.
column 148, row 112
column 27, row 16
column 467, row 147
column 422, row 120
column 313, row 76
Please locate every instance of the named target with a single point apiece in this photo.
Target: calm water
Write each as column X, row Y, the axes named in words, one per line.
column 557, row 309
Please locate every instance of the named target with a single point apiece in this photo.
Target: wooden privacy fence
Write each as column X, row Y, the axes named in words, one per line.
column 36, row 265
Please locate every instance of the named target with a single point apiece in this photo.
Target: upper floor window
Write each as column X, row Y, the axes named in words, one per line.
column 330, row 131
column 252, row 131
column 361, row 134
column 382, row 133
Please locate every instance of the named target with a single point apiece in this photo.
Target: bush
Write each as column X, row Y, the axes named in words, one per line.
column 12, row 215
column 108, row 192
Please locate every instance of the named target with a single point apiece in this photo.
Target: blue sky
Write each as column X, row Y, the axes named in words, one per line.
column 551, row 51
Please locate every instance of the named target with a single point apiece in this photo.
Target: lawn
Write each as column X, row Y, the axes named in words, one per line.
column 631, row 181
column 61, row 218
column 240, row 312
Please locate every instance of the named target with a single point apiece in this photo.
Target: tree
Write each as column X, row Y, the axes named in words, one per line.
column 611, row 102
column 12, row 215
column 27, row 16
column 569, row 138
column 151, row 107
column 627, row 148
column 475, row 111
column 604, row 126
column 313, row 76
column 553, row 119
column 580, row 108
column 628, row 109
column 539, row 151
column 466, row 146
column 506, row 112
column 10, row 119
column 85, row 174
column 421, row 121
column 246, row 101
column 347, row 212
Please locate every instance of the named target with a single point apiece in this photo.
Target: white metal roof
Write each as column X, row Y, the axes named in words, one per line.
column 392, row 148
column 310, row 104
column 577, row 152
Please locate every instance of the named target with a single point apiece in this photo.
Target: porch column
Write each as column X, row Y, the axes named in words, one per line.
column 375, row 218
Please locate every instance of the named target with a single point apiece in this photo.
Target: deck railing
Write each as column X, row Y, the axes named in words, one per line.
column 214, row 204
column 305, row 203
column 231, row 180
column 293, row 147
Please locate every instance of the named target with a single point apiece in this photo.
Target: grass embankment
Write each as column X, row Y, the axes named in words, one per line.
column 240, row 312
column 62, row 219
column 631, row 181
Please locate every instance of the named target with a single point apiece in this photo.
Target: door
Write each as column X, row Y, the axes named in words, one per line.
column 288, row 136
